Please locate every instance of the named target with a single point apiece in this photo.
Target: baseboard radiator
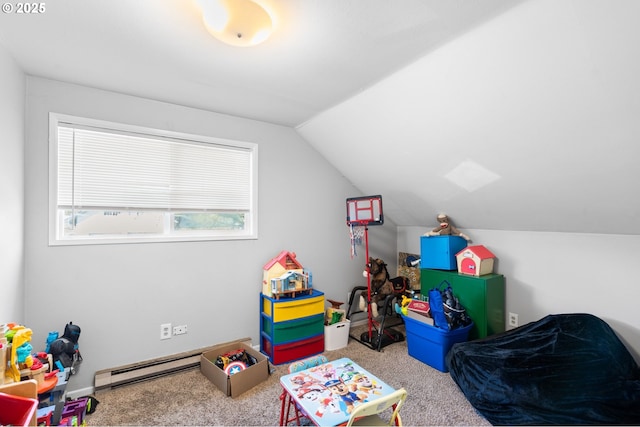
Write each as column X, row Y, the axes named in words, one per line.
column 148, row 369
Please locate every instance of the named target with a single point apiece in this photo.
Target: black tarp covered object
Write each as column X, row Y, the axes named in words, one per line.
column 564, row 369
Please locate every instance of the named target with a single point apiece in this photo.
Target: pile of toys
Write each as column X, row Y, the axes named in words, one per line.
column 235, row 361
column 61, row 352
column 49, row 369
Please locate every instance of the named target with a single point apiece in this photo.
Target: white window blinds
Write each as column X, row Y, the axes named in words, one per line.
column 103, row 169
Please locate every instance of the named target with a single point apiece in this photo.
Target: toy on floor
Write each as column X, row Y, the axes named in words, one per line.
column 235, row 361
column 382, row 285
column 446, row 228
column 64, row 350
column 20, row 357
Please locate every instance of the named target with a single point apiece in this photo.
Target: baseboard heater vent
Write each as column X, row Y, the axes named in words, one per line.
column 142, row 371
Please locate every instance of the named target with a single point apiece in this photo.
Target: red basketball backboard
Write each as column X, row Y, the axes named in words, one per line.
column 365, row 210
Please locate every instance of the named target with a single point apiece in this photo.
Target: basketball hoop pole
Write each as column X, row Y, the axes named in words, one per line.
column 361, row 213
column 366, row 250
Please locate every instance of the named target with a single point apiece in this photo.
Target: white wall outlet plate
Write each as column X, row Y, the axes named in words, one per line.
column 180, row 330
column 165, row 331
column 513, row 320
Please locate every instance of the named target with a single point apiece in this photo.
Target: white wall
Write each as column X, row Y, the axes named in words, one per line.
column 12, row 87
column 120, row 294
column 551, row 273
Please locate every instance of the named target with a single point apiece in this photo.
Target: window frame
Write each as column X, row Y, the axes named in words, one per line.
column 56, row 237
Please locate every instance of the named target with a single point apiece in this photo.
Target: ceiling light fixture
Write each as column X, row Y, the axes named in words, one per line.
column 236, row 22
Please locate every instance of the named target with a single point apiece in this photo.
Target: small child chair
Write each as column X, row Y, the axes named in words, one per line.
column 368, row 413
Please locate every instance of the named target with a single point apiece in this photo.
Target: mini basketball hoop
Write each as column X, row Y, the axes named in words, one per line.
column 365, row 211
column 361, row 213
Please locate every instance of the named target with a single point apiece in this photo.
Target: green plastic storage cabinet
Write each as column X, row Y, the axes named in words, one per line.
column 292, row 328
column 483, row 297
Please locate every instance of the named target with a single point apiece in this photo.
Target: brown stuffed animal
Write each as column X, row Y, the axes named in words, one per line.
column 382, row 285
column 446, row 228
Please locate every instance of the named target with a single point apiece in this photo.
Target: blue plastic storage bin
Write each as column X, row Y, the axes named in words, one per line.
column 429, row 344
column 439, row 252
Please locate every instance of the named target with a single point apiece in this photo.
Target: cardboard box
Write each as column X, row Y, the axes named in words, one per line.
column 337, row 335
column 236, row 384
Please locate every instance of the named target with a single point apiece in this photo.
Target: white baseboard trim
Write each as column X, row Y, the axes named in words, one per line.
column 81, row 392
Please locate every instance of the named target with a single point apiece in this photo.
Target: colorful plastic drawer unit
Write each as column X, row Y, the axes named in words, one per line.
column 293, row 308
column 283, row 353
column 293, row 330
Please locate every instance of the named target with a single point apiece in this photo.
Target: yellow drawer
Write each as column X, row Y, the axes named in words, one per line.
column 282, row 310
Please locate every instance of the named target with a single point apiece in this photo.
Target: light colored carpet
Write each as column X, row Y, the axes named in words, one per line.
column 189, row 398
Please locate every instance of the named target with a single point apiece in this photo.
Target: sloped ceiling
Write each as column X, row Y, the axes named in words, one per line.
column 321, row 52
column 528, row 122
column 529, row 106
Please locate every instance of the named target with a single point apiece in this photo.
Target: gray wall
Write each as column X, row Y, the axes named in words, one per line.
column 120, row 294
column 12, row 86
column 551, row 273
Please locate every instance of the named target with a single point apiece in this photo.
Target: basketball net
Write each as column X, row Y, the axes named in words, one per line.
column 356, row 234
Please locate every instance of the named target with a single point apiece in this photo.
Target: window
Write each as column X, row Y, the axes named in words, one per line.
column 114, row 183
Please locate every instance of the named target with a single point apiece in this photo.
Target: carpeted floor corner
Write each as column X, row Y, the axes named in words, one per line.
column 190, row 399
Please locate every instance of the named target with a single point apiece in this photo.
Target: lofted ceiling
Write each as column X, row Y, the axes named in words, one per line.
column 528, row 122
column 321, row 53
column 505, row 114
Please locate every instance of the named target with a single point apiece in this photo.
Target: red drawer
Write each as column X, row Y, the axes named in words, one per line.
column 283, row 353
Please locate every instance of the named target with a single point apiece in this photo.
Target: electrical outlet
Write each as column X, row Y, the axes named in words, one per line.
column 165, row 331
column 180, row 330
column 513, row 319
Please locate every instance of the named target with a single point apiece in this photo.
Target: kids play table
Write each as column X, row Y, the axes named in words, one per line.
column 327, row 393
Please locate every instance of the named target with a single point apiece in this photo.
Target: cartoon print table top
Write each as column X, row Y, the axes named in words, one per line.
column 329, row 392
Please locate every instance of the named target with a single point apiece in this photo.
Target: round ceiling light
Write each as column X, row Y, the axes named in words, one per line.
column 236, row 22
